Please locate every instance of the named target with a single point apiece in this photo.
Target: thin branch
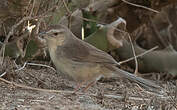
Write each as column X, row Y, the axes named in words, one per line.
column 140, row 55
column 58, row 5
column 67, row 9
column 69, row 13
column 25, row 33
column 32, row 88
column 11, row 32
column 34, row 64
column 91, row 20
column 21, row 68
column 70, row 92
column 24, row 65
column 3, row 74
column 32, row 9
column 136, row 5
column 134, row 54
column 20, row 22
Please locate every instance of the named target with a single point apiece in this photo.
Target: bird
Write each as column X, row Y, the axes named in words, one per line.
column 83, row 62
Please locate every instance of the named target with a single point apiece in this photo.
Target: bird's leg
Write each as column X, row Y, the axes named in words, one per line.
column 90, row 84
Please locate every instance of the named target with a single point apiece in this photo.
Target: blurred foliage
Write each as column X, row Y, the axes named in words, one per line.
column 99, row 39
column 32, row 49
column 104, row 11
column 12, row 50
column 89, row 26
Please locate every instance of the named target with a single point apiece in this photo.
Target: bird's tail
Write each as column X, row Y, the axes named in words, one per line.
column 146, row 84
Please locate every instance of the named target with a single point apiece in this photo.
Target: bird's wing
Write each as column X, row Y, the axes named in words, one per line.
column 81, row 51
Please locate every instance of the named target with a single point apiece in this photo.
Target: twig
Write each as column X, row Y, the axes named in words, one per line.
column 24, row 65
column 32, row 88
column 20, row 22
column 150, row 9
column 2, row 51
column 91, row 20
column 134, row 54
column 67, row 9
column 70, row 92
column 140, row 55
column 15, row 26
column 34, row 64
column 26, row 33
column 18, row 69
column 52, row 9
column 69, row 13
column 102, row 23
column 130, row 98
column 32, row 9
column 3, row 74
column 11, row 32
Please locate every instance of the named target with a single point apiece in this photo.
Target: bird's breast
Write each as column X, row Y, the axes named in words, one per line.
column 79, row 71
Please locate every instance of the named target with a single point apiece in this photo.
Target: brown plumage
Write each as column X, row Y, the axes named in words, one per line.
column 84, row 62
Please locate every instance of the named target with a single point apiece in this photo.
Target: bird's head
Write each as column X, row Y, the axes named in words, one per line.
column 55, row 35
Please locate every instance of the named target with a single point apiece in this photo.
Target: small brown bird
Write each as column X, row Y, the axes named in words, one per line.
column 84, row 62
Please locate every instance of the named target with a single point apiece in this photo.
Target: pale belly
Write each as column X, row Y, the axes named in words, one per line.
column 79, row 71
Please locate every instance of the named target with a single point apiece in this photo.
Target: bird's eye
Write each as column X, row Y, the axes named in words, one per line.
column 55, row 33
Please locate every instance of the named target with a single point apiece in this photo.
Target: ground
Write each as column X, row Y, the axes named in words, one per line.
column 41, row 88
